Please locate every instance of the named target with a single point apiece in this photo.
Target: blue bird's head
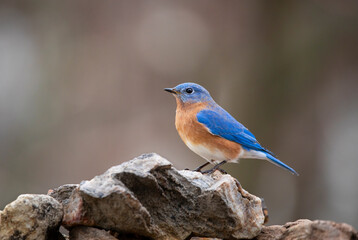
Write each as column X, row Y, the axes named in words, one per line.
column 190, row 93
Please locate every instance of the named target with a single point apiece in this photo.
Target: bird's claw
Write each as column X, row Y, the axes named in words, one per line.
column 222, row 171
column 210, row 171
column 194, row 170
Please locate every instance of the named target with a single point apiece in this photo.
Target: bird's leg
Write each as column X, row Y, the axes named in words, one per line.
column 200, row 167
column 216, row 167
column 222, row 171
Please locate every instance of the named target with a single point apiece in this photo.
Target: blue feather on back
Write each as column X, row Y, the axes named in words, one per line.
column 221, row 123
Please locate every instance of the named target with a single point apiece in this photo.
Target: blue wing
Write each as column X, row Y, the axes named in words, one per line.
column 221, row 123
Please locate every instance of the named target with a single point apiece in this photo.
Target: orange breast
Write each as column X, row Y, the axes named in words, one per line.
column 194, row 133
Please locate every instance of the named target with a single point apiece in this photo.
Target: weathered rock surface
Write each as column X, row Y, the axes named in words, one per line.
column 31, row 216
column 311, row 230
column 148, row 197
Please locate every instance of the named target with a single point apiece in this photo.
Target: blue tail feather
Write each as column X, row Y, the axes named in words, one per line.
column 277, row 162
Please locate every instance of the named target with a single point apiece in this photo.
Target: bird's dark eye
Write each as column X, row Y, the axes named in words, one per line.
column 189, row 90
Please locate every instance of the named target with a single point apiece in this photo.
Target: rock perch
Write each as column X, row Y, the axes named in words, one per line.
column 148, row 197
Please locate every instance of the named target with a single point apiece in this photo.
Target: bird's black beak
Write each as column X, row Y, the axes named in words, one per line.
column 171, row 90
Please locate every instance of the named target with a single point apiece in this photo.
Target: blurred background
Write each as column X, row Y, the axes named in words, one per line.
column 81, row 90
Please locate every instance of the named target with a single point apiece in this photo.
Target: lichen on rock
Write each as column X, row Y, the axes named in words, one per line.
column 31, row 216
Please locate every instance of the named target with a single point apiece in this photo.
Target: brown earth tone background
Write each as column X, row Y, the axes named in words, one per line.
column 81, row 89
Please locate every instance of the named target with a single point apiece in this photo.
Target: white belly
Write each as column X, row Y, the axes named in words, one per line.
column 212, row 156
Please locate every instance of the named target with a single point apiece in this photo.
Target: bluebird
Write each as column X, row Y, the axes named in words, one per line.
column 212, row 133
